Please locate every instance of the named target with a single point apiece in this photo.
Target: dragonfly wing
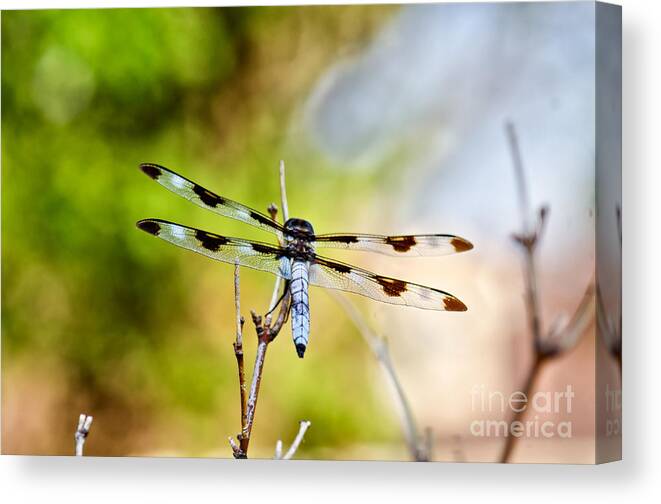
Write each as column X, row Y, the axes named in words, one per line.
column 211, row 201
column 400, row 245
column 251, row 254
column 337, row 275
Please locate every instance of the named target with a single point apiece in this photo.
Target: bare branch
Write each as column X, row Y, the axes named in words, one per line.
column 283, row 193
column 236, row 449
column 531, row 378
column 563, row 335
column 254, row 390
column 84, row 424
column 238, row 353
column 237, row 304
column 522, row 188
column 273, row 210
column 266, row 331
column 380, row 350
column 303, row 427
column 528, row 237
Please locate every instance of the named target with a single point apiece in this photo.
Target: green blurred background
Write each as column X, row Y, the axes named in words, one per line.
column 99, row 318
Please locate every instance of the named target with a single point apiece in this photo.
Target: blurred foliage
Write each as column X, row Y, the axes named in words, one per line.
column 97, row 317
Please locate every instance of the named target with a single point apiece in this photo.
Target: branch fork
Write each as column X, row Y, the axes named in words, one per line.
column 266, row 330
column 302, row 428
column 83, row 430
column 563, row 334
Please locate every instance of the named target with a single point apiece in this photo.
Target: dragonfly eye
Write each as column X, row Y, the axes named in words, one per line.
column 299, row 227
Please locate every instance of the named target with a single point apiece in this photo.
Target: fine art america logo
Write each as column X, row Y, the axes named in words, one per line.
column 493, row 403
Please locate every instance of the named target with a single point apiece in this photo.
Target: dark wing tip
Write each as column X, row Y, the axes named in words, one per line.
column 149, row 226
column 300, row 350
column 460, row 244
column 451, row 303
column 152, row 170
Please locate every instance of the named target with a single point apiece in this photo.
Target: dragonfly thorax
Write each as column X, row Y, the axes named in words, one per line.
column 299, row 228
column 298, row 239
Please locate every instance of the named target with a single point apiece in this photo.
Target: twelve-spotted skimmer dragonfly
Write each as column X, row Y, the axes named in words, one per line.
column 296, row 260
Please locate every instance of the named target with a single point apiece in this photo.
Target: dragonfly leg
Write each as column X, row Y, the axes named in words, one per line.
column 284, row 291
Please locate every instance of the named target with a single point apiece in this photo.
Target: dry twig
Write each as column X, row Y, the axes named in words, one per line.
column 562, row 335
column 302, row 428
column 238, row 350
column 84, row 424
column 266, row 329
column 419, row 446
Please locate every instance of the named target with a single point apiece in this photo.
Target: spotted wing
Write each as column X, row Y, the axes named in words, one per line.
column 209, row 200
column 407, row 245
column 336, row 275
column 256, row 255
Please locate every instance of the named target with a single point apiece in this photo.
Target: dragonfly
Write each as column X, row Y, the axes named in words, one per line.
column 295, row 259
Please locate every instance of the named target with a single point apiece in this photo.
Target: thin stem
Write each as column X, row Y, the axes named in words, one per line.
column 266, row 330
column 380, row 350
column 238, row 346
column 237, row 304
column 283, row 193
column 551, row 345
column 273, row 210
column 236, row 449
column 522, row 188
column 275, row 295
column 303, row 427
column 254, row 390
column 528, row 239
column 561, row 338
column 556, row 340
column 532, row 298
column 84, row 424
column 518, row 415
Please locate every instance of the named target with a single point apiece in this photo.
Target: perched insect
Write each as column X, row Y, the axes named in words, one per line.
column 296, row 260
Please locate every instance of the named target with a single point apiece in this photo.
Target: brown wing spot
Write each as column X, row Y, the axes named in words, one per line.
column 391, row 286
column 461, row 245
column 207, row 197
column 210, row 241
column 150, row 227
column 339, row 267
column 453, row 304
column 345, row 239
column 262, row 249
column 401, row 243
column 262, row 219
column 151, row 170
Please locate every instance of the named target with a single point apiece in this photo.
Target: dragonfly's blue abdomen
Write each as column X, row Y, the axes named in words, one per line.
column 300, row 307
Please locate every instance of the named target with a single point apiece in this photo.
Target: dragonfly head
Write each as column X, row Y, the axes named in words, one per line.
column 299, row 228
